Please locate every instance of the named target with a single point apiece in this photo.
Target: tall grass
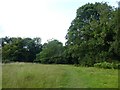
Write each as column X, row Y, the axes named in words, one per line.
column 57, row 76
column 0, row 76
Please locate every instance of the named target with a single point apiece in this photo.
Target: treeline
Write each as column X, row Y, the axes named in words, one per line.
column 93, row 37
column 20, row 49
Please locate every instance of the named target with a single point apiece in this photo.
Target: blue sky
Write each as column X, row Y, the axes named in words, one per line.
column 40, row 18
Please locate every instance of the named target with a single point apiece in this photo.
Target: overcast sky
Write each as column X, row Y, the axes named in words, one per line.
column 46, row 19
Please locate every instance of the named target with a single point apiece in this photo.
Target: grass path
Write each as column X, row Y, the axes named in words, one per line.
column 57, row 76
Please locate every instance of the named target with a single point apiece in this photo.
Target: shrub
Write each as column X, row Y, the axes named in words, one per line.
column 58, row 59
column 107, row 65
column 6, row 61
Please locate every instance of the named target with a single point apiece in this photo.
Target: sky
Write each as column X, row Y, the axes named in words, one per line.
column 47, row 19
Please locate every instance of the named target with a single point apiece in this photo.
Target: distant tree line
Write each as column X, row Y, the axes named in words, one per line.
column 93, row 37
column 20, row 49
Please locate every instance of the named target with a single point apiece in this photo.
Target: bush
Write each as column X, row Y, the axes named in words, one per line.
column 58, row 60
column 6, row 61
column 37, row 61
column 107, row 65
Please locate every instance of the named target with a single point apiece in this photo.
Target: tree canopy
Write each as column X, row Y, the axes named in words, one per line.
column 51, row 52
column 20, row 49
column 92, row 33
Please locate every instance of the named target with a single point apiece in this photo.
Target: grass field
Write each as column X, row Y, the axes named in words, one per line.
column 0, row 76
column 57, row 76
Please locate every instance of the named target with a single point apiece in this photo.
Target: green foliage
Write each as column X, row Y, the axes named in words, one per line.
column 92, row 34
column 20, row 49
column 51, row 52
column 57, row 60
column 115, row 47
column 107, row 65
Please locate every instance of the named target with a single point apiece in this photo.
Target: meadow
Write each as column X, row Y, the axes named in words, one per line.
column 28, row 75
column 0, row 76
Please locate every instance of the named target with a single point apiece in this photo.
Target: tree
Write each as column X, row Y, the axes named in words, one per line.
column 51, row 52
column 20, row 49
column 115, row 47
column 91, row 33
